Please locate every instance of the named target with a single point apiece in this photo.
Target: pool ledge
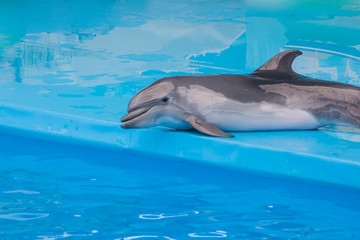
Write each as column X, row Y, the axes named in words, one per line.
column 308, row 155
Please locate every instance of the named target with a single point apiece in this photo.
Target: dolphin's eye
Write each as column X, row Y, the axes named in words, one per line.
column 165, row 99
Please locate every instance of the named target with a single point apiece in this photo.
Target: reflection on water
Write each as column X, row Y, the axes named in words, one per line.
column 23, row 216
column 216, row 234
column 66, row 235
column 89, row 58
column 162, row 215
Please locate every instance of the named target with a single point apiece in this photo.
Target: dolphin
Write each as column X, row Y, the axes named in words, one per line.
column 273, row 97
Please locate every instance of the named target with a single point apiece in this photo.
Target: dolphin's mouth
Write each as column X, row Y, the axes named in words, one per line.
column 132, row 118
column 134, row 114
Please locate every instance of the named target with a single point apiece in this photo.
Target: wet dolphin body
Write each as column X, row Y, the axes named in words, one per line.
column 273, row 97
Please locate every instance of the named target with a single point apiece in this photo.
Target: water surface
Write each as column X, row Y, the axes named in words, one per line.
column 54, row 191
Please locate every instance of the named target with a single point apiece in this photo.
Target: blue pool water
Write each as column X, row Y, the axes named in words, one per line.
column 67, row 170
column 55, row 191
column 89, row 58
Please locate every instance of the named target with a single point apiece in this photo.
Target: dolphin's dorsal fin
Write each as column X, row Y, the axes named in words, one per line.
column 206, row 127
column 281, row 63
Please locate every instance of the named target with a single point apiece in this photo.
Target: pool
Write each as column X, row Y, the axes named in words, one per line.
column 68, row 170
column 54, row 191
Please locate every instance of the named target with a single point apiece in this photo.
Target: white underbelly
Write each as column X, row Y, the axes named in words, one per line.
column 278, row 119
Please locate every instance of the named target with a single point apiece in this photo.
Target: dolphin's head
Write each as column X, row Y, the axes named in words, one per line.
column 155, row 105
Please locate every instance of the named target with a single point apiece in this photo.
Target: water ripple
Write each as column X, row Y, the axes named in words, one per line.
column 66, row 235
column 22, row 191
column 166, row 215
column 23, row 216
column 144, row 236
column 161, row 216
column 216, row 234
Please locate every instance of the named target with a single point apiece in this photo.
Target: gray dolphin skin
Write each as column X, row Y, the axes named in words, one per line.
column 273, row 97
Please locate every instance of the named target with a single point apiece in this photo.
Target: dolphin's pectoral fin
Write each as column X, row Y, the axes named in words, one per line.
column 280, row 64
column 206, row 127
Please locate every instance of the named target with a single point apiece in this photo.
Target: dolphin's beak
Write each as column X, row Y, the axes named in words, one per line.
column 142, row 117
column 144, row 106
column 134, row 114
column 138, row 113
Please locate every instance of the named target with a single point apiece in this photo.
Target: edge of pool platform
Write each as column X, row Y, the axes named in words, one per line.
column 308, row 155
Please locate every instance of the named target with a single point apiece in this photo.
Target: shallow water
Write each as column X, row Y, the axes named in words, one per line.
column 54, row 191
